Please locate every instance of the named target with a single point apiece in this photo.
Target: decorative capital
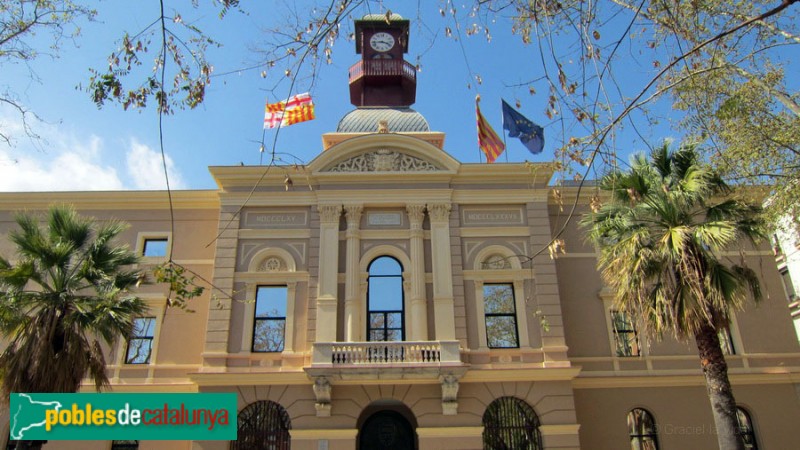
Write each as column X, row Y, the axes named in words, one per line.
column 416, row 213
column 439, row 212
column 353, row 214
column 329, row 213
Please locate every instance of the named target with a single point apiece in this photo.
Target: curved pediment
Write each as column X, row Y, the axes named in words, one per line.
column 382, row 153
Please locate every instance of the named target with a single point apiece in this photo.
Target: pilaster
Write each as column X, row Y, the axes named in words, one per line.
column 327, row 286
column 443, row 307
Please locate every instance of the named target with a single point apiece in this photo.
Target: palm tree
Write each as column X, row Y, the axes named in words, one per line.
column 69, row 287
column 660, row 239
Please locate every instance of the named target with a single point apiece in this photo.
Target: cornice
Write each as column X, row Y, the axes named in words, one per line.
column 112, row 200
column 532, row 374
column 250, row 379
column 647, row 381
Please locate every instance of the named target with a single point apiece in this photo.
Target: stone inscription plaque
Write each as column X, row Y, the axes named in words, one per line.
column 483, row 217
column 289, row 219
column 385, row 218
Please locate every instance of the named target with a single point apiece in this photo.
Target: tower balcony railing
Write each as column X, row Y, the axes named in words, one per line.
column 377, row 354
column 383, row 67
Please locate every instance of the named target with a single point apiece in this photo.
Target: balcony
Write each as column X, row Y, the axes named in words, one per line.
column 383, row 68
column 355, row 362
column 401, row 359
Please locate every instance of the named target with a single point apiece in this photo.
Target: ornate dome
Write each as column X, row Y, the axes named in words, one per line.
column 400, row 120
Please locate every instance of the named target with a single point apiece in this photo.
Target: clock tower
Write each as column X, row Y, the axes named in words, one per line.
column 382, row 77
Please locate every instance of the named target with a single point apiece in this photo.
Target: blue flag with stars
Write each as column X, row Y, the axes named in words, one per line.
column 531, row 135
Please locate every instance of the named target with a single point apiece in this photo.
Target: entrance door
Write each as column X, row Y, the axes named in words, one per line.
column 387, row 430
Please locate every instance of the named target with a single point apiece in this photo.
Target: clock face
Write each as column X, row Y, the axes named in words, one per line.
column 381, row 42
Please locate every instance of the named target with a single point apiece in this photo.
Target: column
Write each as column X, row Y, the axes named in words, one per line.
column 352, row 297
column 327, row 286
column 418, row 309
column 443, row 308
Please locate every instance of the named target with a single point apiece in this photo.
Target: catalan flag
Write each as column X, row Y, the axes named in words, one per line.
column 296, row 109
column 489, row 142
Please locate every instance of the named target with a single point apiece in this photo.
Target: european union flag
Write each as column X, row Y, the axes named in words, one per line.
column 531, row 135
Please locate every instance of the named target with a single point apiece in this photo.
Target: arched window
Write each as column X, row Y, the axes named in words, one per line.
column 385, row 308
column 510, row 423
column 746, row 429
column 642, row 429
column 263, row 425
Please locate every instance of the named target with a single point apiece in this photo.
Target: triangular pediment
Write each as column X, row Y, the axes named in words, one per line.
column 384, row 153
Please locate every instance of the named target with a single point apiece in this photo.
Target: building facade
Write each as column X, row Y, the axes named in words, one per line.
column 393, row 297
column 786, row 243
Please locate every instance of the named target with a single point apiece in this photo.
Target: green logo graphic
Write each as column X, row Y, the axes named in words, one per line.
column 122, row 416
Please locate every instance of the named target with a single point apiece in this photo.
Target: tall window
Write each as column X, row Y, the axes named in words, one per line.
column 385, row 300
column 642, row 430
column 509, row 422
column 788, row 285
column 501, row 316
column 269, row 324
column 625, row 339
column 140, row 344
column 263, row 425
column 746, row 429
column 726, row 342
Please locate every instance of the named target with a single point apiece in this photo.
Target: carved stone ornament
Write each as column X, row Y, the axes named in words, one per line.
column 272, row 264
column 449, row 395
column 384, row 160
column 496, row 262
column 322, row 391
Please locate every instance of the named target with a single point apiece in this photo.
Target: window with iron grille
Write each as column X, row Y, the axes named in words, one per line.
column 511, row 423
column 626, row 341
column 269, row 324
column 746, row 429
column 501, row 315
column 263, row 425
column 140, row 344
column 642, row 430
column 385, row 305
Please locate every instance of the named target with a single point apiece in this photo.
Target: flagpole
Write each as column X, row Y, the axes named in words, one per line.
column 478, row 100
column 504, row 137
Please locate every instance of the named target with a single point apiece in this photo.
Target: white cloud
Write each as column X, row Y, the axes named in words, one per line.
column 67, row 165
column 146, row 168
column 68, row 161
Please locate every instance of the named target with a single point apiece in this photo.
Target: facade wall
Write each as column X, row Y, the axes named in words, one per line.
column 455, row 229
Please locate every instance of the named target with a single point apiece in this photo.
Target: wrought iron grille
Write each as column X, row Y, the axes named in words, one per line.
column 263, row 425
column 511, row 424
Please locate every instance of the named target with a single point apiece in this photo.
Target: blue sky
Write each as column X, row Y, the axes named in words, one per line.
column 85, row 148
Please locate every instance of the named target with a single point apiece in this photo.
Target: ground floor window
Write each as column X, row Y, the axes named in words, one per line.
column 263, row 425
column 746, row 429
column 509, row 422
column 642, row 430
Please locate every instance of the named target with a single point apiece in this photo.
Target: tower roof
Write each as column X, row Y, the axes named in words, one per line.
column 366, row 119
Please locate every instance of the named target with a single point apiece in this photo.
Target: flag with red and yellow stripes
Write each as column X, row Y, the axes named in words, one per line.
column 488, row 141
column 296, row 109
